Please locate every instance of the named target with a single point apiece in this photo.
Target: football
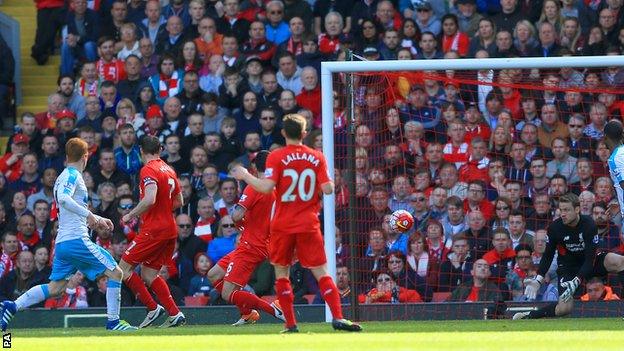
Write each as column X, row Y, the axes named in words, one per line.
column 401, row 221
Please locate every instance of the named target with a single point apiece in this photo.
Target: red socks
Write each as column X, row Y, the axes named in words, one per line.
column 246, row 301
column 139, row 289
column 286, row 298
column 329, row 293
column 160, row 288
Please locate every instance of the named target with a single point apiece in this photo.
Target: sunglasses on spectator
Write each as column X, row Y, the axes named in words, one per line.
column 384, row 280
column 502, row 208
column 185, row 226
column 268, row 118
column 275, row 12
column 575, row 125
column 228, row 225
column 126, row 207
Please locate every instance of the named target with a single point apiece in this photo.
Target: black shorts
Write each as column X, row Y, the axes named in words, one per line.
column 568, row 273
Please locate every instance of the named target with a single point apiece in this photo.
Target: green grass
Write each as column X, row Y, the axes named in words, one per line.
column 533, row 335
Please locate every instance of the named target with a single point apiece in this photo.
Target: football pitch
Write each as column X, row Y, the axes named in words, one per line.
column 529, row 335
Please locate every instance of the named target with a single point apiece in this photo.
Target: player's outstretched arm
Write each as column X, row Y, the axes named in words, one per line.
column 264, row 186
column 146, row 202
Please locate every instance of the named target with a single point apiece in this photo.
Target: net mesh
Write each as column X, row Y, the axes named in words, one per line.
column 470, row 154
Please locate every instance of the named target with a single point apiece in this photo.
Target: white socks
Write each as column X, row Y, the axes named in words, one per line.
column 113, row 299
column 33, row 296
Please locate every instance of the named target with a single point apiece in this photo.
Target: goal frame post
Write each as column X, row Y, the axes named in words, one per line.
column 327, row 107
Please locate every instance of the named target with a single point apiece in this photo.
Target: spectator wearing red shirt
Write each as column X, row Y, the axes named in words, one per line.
column 386, row 290
column 479, row 288
column 501, row 257
column 475, row 126
column 387, row 17
column 329, row 41
column 310, row 96
column 524, row 261
column 27, row 232
column 258, row 45
column 476, row 200
column 477, row 166
column 456, row 150
column 206, row 226
column 11, row 162
column 452, row 38
column 10, row 248
column 47, row 120
column 511, row 97
column 233, row 22
column 108, row 67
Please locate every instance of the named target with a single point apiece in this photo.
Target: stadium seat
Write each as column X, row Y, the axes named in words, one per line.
column 195, row 301
column 310, row 298
column 440, row 296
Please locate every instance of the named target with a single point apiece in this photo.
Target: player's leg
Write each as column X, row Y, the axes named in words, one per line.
column 312, row 255
column 134, row 255
column 281, row 249
column 138, row 288
column 217, row 272
column 113, row 300
column 557, row 309
column 614, row 263
column 62, row 267
column 242, row 263
column 159, row 286
column 33, row 296
column 93, row 260
column 285, row 296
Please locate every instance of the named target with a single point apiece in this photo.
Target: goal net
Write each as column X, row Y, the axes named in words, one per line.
column 478, row 151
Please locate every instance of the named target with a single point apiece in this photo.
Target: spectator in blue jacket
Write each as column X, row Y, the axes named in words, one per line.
column 127, row 155
column 225, row 241
column 82, row 34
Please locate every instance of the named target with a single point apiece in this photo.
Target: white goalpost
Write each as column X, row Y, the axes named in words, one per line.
column 327, row 101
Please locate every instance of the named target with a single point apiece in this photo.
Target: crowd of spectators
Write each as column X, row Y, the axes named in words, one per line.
column 479, row 158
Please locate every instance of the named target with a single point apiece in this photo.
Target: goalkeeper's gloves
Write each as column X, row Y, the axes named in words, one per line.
column 570, row 287
column 532, row 286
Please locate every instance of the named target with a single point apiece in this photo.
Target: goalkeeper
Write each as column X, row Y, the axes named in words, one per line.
column 573, row 236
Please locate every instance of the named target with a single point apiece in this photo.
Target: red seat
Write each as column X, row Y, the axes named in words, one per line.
column 194, row 301
column 310, row 298
column 440, row 296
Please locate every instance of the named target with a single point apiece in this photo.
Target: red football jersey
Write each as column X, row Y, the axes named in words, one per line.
column 158, row 221
column 257, row 217
column 298, row 172
column 113, row 71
